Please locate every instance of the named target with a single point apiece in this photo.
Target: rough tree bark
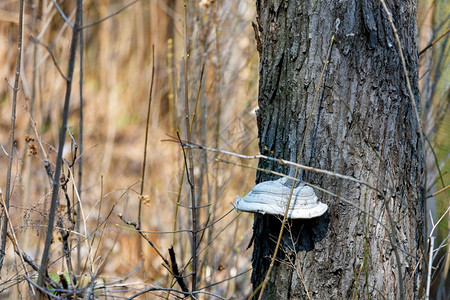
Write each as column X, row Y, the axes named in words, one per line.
column 363, row 125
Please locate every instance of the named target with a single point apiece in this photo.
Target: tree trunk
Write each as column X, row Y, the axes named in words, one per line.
column 363, row 125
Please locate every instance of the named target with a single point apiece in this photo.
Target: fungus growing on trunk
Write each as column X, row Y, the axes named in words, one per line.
column 271, row 197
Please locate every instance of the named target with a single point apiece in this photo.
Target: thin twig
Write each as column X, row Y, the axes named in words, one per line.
column 279, row 160
column 225, row 280
column 4, row 224
column 50, row 52
column 83, row 217
column 190, row 166
column 62, row 14
column 405, row 71
column 213, row 239
column 188, row 230
column 434, row 42
column 146, row 135
column 150, row 242
column 435, row 160
column 434, row 225
column 421, row 135
column 440, row 191
column 177, row 203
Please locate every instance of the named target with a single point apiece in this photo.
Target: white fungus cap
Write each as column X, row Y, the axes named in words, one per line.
column 271, row 197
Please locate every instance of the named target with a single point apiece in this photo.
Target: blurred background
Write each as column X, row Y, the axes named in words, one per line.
column 219, row 81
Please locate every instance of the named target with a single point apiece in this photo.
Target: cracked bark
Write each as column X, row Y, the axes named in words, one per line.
column 365, row 128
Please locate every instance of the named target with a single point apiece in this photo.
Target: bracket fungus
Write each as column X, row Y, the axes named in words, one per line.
column 271, row 197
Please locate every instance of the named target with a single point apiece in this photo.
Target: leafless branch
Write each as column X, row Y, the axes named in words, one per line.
column 62, row 14
column 50, row 52
column 4, row 223
column 62, row 136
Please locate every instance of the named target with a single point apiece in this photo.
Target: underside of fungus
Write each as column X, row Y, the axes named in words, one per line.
column 271, row 197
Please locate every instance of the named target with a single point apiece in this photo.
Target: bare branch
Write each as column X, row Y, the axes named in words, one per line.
column 4, row 224
column 50, row 52
column 433, row 42
column 62, row 136
column 62, row 14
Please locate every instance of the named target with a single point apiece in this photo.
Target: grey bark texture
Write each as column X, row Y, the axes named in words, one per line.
column 363, row 125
